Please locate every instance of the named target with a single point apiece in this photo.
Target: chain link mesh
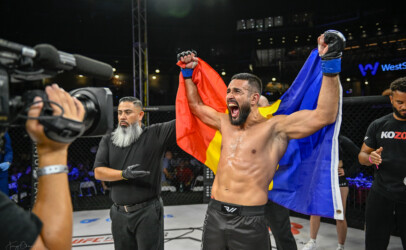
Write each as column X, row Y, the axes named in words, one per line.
column 193, row 185
column 358, row 113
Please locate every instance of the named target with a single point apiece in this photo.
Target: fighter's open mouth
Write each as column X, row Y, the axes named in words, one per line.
column 234, row 109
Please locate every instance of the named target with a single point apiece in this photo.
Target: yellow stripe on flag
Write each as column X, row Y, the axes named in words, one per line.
column 268, row 111
column 270, row 185
column 213, row 152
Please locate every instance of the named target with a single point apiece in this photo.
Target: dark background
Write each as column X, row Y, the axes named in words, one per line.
column 102, row 30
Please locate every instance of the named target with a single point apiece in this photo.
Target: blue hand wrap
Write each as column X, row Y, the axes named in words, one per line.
column 187, row 73
column 332, row 66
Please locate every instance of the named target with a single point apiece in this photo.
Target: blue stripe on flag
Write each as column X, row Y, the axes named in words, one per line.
column 307, row 180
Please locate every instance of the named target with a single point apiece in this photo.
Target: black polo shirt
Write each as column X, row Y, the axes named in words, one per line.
column 148, row 151
column 390, row 134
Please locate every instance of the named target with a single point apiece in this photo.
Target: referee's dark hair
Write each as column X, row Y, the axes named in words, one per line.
column 132, row 99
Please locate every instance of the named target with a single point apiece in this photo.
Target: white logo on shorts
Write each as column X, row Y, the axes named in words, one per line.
column 230, row 209
column 404, row 181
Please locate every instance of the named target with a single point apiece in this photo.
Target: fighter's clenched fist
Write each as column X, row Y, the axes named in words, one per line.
column 189, row 62
column 331, row 45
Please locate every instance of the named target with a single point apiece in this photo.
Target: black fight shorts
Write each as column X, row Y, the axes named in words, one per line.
column 234, row 227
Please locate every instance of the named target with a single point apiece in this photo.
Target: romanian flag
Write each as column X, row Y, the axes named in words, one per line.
column 193, row 136
column 307, row 177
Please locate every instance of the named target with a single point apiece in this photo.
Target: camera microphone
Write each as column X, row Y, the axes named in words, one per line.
column 17, row 48
column 49, row 57
column 23, row 63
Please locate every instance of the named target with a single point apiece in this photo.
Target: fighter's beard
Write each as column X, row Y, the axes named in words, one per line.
column 125, row 136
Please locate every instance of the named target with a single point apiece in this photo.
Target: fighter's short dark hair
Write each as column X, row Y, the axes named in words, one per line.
column 253, row 80
column 398, row 85
column 132, row 99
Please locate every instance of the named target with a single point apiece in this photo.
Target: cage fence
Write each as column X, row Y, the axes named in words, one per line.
column 187, row 181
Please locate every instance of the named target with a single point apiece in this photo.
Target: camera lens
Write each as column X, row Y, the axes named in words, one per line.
column 98, row 104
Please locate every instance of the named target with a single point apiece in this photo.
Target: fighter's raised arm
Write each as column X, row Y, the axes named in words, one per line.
column 306, row 122
column 205, row 113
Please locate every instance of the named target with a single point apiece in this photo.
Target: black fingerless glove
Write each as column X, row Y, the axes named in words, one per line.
column 186, row 72
column 131, row 172
column 331, row 60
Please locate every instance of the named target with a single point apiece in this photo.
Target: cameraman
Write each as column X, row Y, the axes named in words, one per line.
column 49, row 226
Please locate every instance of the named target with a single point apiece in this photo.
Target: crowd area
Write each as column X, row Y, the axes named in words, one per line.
column 180, row 173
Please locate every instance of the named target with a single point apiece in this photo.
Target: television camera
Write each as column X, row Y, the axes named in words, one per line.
column 20, row 63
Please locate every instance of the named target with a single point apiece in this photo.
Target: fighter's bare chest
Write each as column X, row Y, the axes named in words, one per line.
column 242, row 141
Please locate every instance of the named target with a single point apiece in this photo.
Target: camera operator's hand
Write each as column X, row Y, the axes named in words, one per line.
column 53, row 205
column 73, row 109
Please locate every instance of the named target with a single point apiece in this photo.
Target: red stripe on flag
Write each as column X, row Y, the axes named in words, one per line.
column 193, row 136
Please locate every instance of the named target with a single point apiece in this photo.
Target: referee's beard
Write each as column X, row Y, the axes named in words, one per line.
column 124, row 136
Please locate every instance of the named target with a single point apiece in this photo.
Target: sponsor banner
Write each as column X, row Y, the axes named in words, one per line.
column 373, row 68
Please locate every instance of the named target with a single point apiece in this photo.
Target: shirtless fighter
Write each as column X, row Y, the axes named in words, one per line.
column 252, row 147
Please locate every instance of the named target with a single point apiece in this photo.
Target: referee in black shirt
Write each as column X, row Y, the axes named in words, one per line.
column 131, row 159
